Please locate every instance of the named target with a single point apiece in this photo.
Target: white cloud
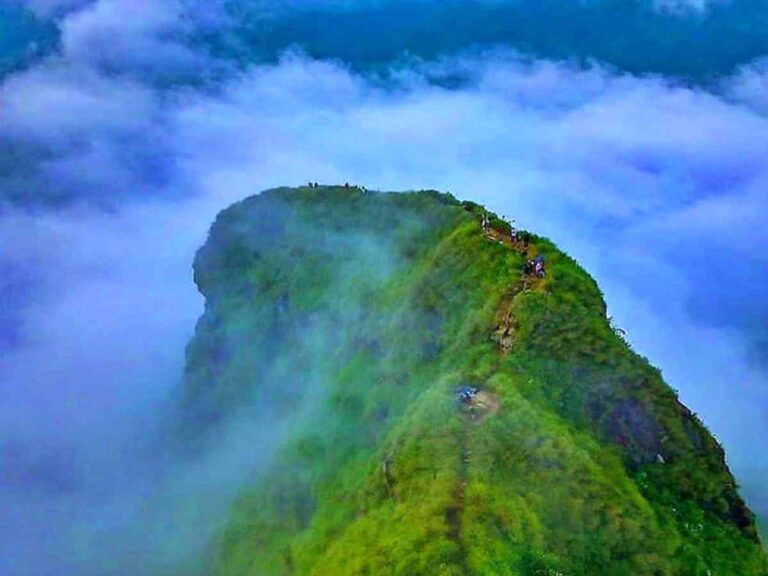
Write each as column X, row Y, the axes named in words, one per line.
column 60, row 104
column 129, row 36
column 652, row 185
column 749, row 86
column 49, row 8
column 685, row 7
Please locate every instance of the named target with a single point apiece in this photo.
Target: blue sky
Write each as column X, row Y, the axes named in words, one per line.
column 120, row 145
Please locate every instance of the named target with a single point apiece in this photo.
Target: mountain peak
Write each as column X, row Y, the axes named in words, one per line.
column 451, row 399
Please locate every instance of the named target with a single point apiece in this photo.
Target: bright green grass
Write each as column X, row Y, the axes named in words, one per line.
column 354, row 316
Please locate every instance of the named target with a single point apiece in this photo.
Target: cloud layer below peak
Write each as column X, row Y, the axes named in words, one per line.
column 117, row 154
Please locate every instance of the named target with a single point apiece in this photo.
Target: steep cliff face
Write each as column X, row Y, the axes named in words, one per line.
column 351, row 318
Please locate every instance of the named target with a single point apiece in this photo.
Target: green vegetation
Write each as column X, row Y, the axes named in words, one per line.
column 351, row 318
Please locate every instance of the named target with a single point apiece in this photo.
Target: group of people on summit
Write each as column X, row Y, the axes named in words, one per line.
column 346, row 185
column 533, row 266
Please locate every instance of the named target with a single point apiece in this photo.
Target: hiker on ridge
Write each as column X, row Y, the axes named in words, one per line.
column 513, row 234
column 529, row 267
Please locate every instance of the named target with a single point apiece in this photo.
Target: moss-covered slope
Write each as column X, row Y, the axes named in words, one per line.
column 350, row 318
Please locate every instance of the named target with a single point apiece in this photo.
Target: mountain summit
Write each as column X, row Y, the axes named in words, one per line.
column 450, row 398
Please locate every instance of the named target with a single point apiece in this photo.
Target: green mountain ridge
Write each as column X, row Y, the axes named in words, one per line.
column 352, row 317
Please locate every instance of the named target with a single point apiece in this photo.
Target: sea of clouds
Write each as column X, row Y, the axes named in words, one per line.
column 118, row 150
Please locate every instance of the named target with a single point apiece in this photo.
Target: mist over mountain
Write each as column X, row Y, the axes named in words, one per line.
column 446, row 408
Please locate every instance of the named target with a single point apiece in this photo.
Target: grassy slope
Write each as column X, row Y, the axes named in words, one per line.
column 354, row 316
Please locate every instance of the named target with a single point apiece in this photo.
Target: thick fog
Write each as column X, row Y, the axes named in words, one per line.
column 118, row 149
